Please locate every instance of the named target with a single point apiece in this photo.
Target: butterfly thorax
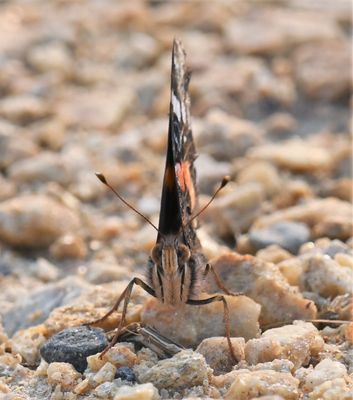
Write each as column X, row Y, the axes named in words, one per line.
column 172, row 271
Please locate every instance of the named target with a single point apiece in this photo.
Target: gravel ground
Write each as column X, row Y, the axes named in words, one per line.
column 84, row 87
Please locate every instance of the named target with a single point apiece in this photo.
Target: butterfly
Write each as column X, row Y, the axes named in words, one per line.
column 176, row 266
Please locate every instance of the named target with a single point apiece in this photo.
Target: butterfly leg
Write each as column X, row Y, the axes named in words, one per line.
column 219, row 281
column 126, row 294
column 226, row 318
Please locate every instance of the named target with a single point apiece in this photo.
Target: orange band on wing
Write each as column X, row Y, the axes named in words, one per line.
column 185, row 181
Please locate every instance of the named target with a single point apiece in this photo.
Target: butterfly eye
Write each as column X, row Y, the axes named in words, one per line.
column 156, row 254
column 183, row 254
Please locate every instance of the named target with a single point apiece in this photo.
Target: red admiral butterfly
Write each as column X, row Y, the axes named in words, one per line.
column 176, row 265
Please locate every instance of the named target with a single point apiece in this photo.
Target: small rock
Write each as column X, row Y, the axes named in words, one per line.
column 288, row 235
column 315, row 213
column 106, row 390
column 281, row 123
column 145, row 391
column 292, row 270
column 7, row 188
column 263, row 283
column 35, row 221
column 14, row 148
column 23, row 108
column 125, row 374
column 274, row 254
column 220, row 133
column 68, row 246
column 120, row 355
column 74, row 345
column 35, row 308
column 324, row 276
column 253, row 384
column 216, row 353
column 105, row 374
column 62, row 373
column 320, row 71
column 44, row 167
column 326, row 370
column 190, row 324
column 236, row 208
column 27, row 343
column 185, row 369
column 51, row 57
column 332, row 390
column 295, row 155
column 261, row 172
column 297, row 343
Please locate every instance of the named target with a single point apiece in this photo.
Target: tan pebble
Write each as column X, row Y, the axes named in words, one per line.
column 95, row 363
column 217, row 354
column 322, row 275
column 273, row 253
column 261, row 172
column 185, row 369
column 121, row 356
column 42, row 368
column 190, row 324
column 326, row 370
column 138, row 392
column 262, row 282
column 106, row 373
column 332, row 390
column 83, row 387
column 345, row 260
column 291, row 269
column 248, row 384
column 4, row 388
column 297, row 343
column 64, row 374
column 35, row 221
column 69, row 246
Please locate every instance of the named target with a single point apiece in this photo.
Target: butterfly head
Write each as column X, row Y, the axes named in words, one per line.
column 171, row 272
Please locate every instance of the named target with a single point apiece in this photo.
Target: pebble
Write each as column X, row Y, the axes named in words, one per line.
column 320, row 72
column 14, row 148
column 44, row 167
column 189, row 325
column 125, row 374
column 253, row 384
column 217, row 355
column 261, row 172
column 288, row 235
column 105, row 374
column 34, row 308
column 295, row 155
column 274, row 254
column 297, row 343
column 23, row 109
column 234, row 210
column 62, row 373
column 262, row 282
column 324, row 276
column 35, row 221
column 222, row 130
column 74, row 345
column 146, row 391
column 27, row 343
column 121, row 356
column 325, row 371
column 318, row 214
column 68, row 246
column 186, row 369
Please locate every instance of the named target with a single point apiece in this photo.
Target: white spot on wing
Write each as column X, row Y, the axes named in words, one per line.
column 176, row 107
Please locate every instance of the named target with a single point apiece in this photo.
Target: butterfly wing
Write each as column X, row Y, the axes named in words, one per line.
column 179, row 196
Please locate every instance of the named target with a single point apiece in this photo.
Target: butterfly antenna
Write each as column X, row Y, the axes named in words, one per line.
column 103, row 179
column 224, row 182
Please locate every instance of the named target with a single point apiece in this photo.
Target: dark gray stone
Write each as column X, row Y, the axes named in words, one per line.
column 74, row 345
column 125, row 374
column 288, row 235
